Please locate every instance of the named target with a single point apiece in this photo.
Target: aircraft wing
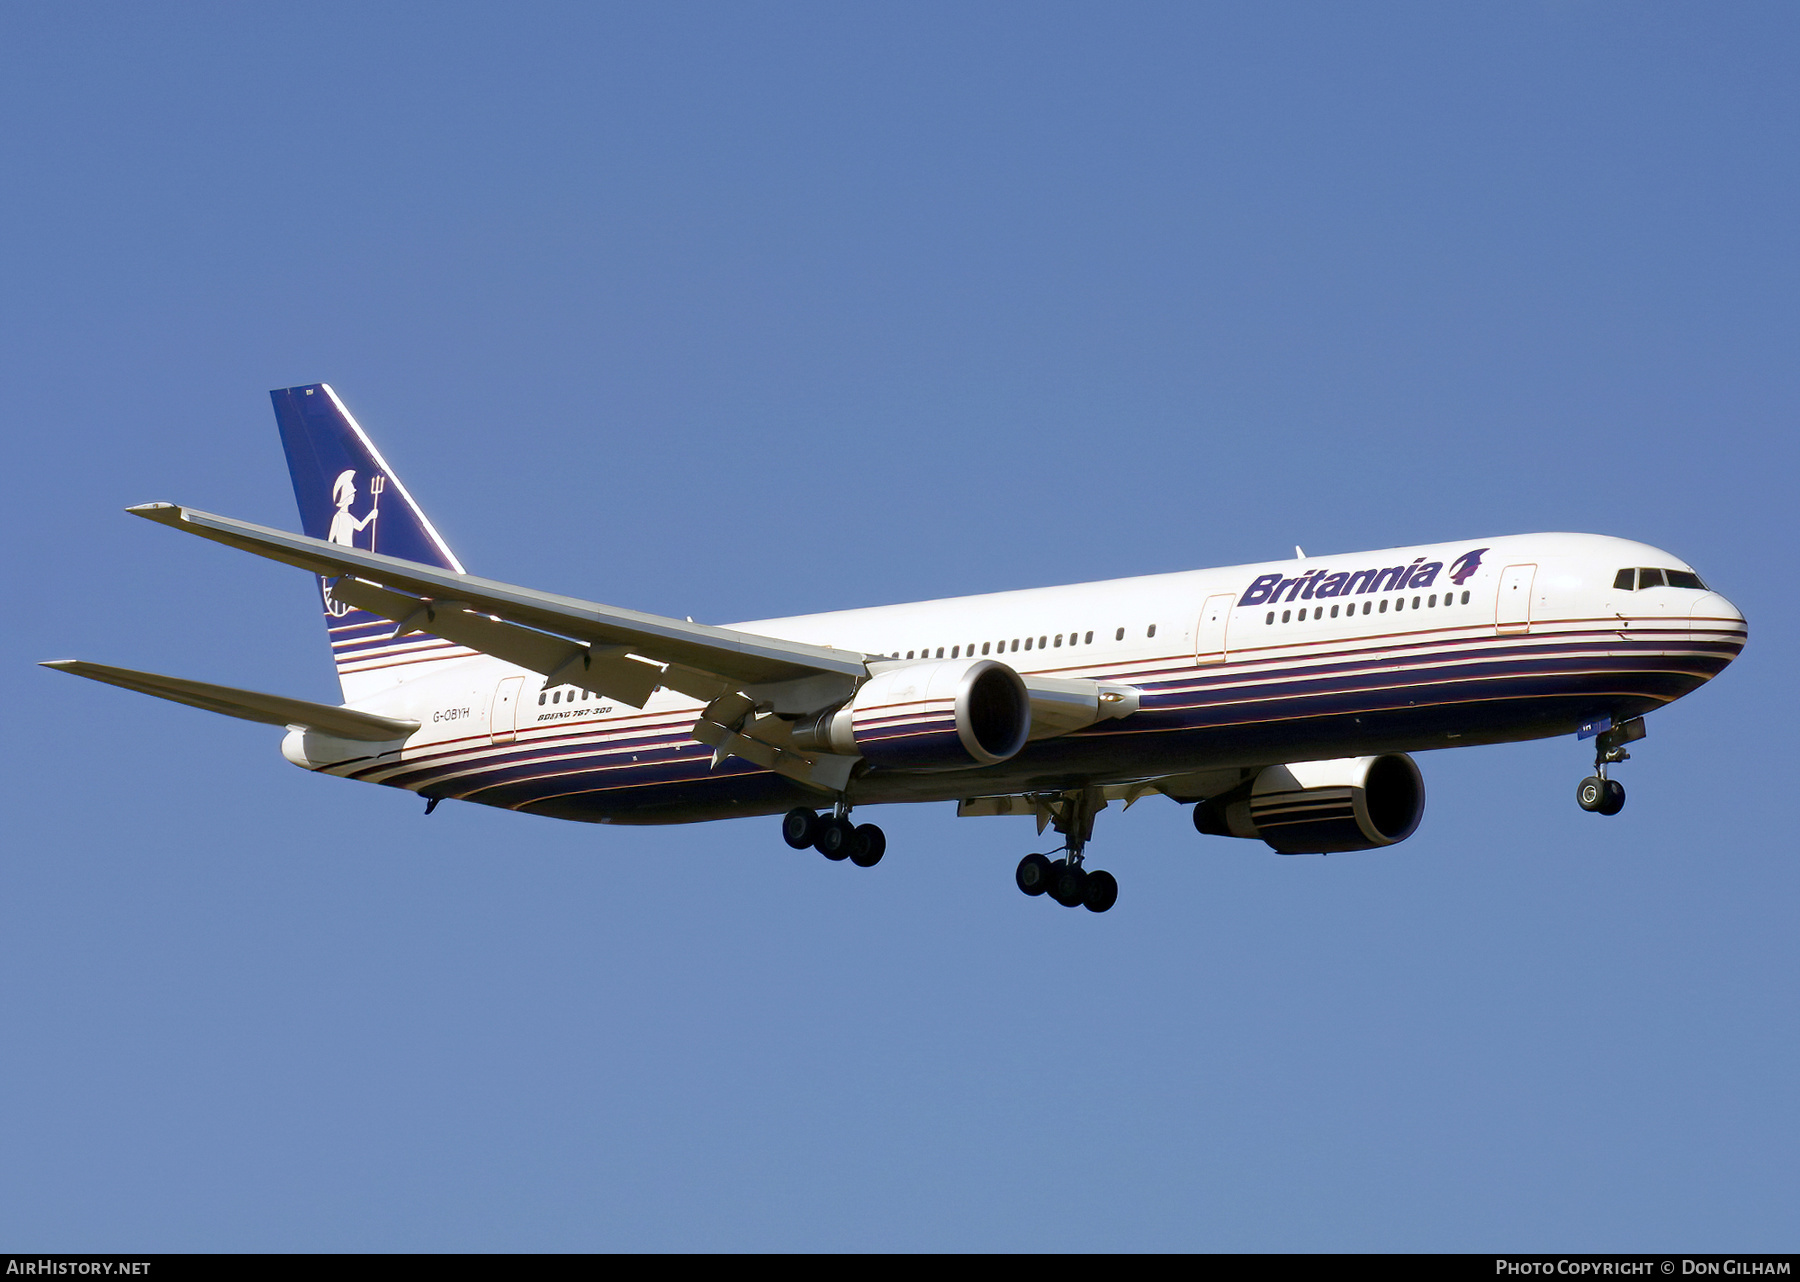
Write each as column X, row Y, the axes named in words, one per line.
column 249, row 705
column 702, row 661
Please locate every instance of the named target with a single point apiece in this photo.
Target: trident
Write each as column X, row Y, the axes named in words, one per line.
column 377, row 484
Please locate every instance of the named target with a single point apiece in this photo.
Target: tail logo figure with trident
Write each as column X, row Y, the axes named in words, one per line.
column 345, row 528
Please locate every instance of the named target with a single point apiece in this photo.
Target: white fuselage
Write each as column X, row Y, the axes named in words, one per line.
column 1237, row 667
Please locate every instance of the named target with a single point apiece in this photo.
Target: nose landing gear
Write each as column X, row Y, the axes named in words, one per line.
column 1597, row 793
column 1601, row 795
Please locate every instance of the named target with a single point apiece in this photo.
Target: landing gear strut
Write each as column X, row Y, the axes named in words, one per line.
column 834, row 836
column 1597, row 793
column 1065, row 879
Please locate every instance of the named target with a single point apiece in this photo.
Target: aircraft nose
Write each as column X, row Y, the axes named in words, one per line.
column 1712, row 613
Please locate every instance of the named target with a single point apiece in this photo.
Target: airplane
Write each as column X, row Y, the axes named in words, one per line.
column 1279, row 700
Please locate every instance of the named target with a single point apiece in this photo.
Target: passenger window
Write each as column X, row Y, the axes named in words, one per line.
column 1028, row 643
column 1432, row 603
column 1286, row 616
column 556, row 696
column 1399, row 603
column 541, row 697
column 1119, row 635
column 1041, row 641
column 1015, row 645
column 1685, row 579
column 1271, row 617
column 909, row 654
column 1649, row 579
column 1088, row 639
column 1465, row 596
column 984, row 647
column 1625, row 580
column 1383, row 605
column 940, row 653
column 1334, row 611
column 1059, row 640
column 1415, row 603
column 955, row 650
column 1152, row 631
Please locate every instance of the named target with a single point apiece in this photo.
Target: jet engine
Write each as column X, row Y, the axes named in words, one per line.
column 952, row 715
column 1317, row 807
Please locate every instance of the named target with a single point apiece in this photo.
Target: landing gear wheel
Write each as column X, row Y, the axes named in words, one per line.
column 1033, row 875
column 1102, row 891
column 1068, row 883
column 800, row 828
column 833, row 837
column 867, row 845
column 1614, row 800
column 1591, row 795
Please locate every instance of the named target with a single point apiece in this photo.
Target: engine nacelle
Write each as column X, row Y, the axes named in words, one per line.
column 1317, row 807
column 953, row 715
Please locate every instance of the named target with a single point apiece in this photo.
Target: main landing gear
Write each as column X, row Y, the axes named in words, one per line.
column 1597, row 793
column 834, row 836
column 1064, row 879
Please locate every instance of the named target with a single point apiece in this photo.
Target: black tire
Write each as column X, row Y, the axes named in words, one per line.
column 1069, row 884
column 833, row 837
column 867, row 845
column 1591, row 795
column 799, row 828
column 1615, row 798
column 1102, row 891
column 1033, row 876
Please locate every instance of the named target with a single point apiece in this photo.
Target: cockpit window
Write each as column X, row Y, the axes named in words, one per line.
column 1641, row 578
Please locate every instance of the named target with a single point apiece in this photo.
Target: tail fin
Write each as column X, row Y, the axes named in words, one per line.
column 337, row 471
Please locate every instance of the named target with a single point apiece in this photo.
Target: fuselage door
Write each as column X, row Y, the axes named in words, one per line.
column 1209, row 637
column 503, row 717
column 1512, row 612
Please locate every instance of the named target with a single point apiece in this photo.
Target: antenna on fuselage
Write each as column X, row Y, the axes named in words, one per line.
column 1299, row 553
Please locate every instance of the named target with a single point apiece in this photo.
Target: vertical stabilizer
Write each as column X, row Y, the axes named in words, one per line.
column 348, row 494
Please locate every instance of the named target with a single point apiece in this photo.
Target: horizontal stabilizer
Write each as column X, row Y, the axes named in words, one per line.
column 271, row 709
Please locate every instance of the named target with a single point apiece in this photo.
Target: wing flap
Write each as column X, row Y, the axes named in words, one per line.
column 247, row 705
column 557, row 659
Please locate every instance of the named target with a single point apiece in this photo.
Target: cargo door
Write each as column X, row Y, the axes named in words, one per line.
column 1512, row 611
column 503, row 717
column 1209, row 637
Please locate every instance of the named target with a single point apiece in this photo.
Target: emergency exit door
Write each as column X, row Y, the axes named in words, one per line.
column 503, row 717
column 1209, row 637
column 1512, row 612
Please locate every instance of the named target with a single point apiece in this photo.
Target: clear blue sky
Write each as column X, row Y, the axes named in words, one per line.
column 737, row 311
